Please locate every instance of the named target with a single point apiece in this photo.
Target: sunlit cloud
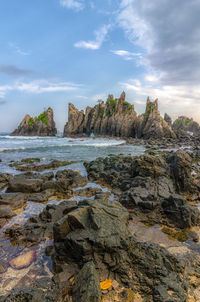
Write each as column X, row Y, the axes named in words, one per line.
column 39, row 86
column 100, row 36
column 127, row 55
column 76, row 5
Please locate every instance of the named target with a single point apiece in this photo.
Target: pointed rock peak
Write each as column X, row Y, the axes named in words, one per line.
column 122, row 96
column 168, row 119
column 41, row 125
column 110, row 97
column 155, row 104
column 151, row 106
column 148, row 101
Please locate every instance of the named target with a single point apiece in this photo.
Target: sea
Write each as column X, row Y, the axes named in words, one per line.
column 15, row 148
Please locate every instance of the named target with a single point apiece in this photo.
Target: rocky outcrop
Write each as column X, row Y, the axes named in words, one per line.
column 117, row 118
column 155, row 185
column 43, row 125
column 168, row 119
column 96, row 232
column 185, row 126
column 151, row 124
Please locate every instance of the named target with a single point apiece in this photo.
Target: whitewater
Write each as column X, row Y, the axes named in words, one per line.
column 14, row 148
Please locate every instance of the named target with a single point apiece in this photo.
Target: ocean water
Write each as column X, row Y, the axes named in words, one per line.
column 70, row 149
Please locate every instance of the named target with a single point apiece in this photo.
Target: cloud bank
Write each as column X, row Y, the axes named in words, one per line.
column 169, row 35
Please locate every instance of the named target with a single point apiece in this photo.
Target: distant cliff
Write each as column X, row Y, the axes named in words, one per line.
column 118, row 118
column 42, row 125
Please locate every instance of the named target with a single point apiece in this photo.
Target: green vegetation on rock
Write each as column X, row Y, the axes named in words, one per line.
column 150, row 108
column 178, row 122
column 129, row 107
column 187, row 122
column 101, row 112
column 110, row 106
column 30, row 122
column 42, row 117
column 173, row 234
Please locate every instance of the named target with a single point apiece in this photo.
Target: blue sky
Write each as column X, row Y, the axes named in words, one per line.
column 59, row 51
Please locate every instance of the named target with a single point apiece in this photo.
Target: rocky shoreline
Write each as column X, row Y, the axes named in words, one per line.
column 136, row 241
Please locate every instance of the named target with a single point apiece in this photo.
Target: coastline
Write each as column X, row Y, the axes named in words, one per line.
column 117, row 188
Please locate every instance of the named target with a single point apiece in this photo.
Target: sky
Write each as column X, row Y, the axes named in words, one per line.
column 53, row 52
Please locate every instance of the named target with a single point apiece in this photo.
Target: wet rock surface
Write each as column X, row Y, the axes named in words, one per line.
column 92, row 233
column 152, row 184
column 39, row 227
column 99, row 240
column 31, row 166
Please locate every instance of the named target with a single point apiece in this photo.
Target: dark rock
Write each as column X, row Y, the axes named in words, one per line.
column 43, row 125
column 13, row 200
column 95, row 234
column 87, row 285
column 40, row 167
column 41, row 197
column 147, row 182
column 180, row 213
column 25, row 185
column 3, row 267
column 6, row 212
column 40, row 227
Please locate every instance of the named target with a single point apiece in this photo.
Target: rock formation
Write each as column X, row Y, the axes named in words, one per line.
column 152, row 184
column 168, row 119
column 118, row 118
column 151, row 125
column 43, row 125
column 184, row 126
column 115, row 118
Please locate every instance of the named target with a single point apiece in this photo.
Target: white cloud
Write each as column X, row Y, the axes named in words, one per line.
column 18, row 50
column 175, row 100
column 100, row 36
column 39, row 86
column 76, row 5
column 151, row 78
column 127, row 55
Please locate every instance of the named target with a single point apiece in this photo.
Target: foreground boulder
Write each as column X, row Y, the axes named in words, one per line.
column 97, row 231
column 87, row 285
column 10, row 202
column 43, row 125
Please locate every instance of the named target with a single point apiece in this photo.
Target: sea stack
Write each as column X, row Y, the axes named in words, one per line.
column 151, row 125
column 118, row 118
column 42, row 125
